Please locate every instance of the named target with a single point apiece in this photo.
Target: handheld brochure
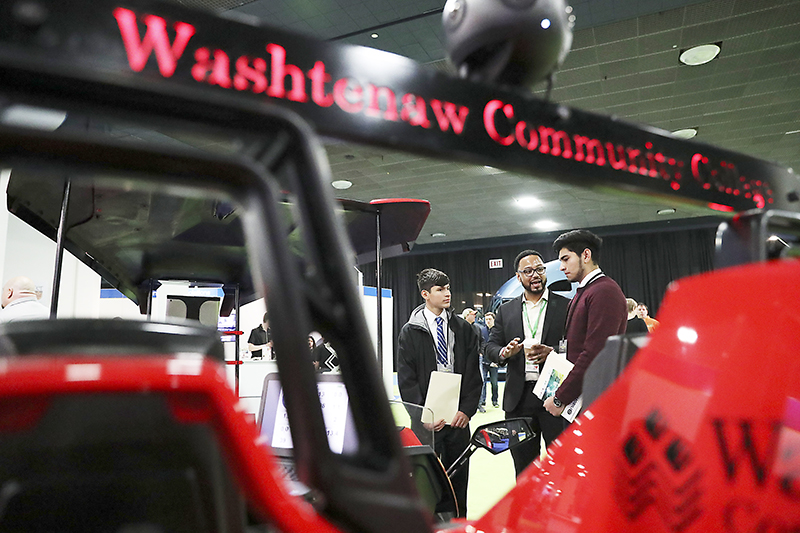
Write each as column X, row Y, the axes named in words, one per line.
column 555, row 370
column 441, row 401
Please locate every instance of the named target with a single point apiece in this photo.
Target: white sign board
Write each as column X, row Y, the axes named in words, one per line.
column 495, row 263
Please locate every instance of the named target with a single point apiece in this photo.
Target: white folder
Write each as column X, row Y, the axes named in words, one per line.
column 444, row 391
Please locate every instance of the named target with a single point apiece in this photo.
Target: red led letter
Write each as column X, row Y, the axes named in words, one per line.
column 414, row 111
column 216, row 72
column 341, row 91
column 374, row 108
column 593, row 150
column 520, row 129
column 560, row 142
column 155, row 39
column 449, row 116
column 616, row 156
column 247, row 75
column 488, row 121
column 279, row 71
column 319, row 78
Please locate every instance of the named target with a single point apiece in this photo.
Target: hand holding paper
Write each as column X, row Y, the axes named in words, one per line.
column 444, row 391
column 555, row 370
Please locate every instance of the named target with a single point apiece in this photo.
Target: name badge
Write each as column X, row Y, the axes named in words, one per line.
column 531, row 370
column 562, row 346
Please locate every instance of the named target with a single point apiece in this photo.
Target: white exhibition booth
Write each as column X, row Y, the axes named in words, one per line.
column 26, row 252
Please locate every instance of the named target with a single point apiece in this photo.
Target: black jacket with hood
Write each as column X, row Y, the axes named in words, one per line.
column 416, row 359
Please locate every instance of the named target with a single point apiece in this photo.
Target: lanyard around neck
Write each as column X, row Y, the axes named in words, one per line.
column 532, row 329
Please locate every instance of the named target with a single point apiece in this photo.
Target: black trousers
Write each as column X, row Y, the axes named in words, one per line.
column 542, row 422
column 449, row 444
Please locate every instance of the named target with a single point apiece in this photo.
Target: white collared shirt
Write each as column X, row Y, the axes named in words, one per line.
column 596, row 273
column 430, row 318
column 26, row 308
column 535, row 312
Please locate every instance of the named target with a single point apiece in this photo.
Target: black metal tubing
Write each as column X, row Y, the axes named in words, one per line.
column 370, row 492
column 62, row 223
column 379, row 286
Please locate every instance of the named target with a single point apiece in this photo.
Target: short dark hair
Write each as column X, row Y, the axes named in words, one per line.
column 489, row 314
column 431, row 277
column 577, row 241
column 523, row 254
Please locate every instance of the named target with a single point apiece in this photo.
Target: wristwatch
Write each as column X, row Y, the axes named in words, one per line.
column 557, row 402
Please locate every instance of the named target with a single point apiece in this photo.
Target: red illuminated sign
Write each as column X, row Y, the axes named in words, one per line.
column 271, row 73
column 285, row 80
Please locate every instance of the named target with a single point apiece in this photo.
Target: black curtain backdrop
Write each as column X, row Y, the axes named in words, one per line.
column 643, row 264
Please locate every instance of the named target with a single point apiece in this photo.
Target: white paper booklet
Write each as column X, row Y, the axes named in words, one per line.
column 555, row 371
column 444, row 391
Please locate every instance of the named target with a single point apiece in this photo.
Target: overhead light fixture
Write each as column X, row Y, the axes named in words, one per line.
column 438, row 234
column 686, row 133
column 667, row 211
column 700, row 55
column 792, row 132
column 32, row 117
column 342, row 184
column 527, row 202
column 546, row 224
column 374, row 35
column 545, row 23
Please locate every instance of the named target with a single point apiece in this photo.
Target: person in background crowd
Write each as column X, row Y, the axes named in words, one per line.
column 526, row 330
column 435, row 339
column 260, row 340
column 325, row 357
column 312, row 344
column 635, row 324
column 597, row 311
column 488, row 368
column 652, row 323
column 19, row 301
column 469, row 315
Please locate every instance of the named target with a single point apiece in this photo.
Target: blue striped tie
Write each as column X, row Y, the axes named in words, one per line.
column 441, row 342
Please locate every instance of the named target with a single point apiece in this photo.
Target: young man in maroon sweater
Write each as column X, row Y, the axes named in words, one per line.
column 598, row 311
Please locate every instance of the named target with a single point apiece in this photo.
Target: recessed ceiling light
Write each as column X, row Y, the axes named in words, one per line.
column 686, row 133
column 699, row 55
column 342, row 184
column 545, row 23
column 438, row 234
column 374, row 35
column 527, row 202
column 546, row 224
column 667, row 211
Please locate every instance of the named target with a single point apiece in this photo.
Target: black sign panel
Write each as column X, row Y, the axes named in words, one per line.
column 153, row 53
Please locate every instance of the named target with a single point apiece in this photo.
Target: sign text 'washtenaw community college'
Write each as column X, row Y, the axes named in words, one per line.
column 367, row 95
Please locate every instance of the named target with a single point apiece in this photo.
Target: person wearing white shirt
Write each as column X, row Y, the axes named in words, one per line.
column 435, row 339
column 19, row 301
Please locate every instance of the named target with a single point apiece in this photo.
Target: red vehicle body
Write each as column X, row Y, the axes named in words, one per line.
column 700, row 433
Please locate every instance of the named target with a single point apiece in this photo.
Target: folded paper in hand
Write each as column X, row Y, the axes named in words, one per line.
column 555, row 371
column 444, row 391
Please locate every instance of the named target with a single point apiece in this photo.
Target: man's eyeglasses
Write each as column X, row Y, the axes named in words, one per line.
column 528, row 272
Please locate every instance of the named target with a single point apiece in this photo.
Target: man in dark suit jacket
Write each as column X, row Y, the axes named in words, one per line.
column 537, row 316
column 435, row 339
